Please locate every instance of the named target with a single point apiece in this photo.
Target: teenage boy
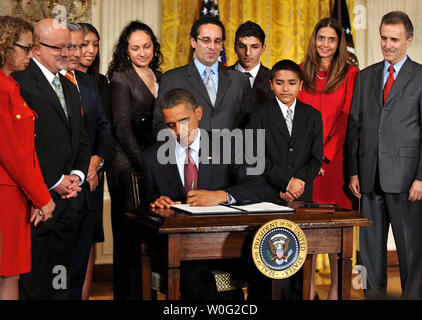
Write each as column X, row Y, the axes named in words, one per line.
column 249, row 46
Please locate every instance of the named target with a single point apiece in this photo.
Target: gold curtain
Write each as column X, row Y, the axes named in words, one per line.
column 287, row 24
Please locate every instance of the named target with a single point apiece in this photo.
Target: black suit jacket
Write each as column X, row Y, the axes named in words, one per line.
column 261, row 90
column 298, row 156
column 232, row 106
column 97, row 126
column 62, row 145
column 164, row 179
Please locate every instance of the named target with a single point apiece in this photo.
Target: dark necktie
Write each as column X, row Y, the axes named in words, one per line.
column 71, row 77
column 389, row 83
column 248, row 74
column 191, row 173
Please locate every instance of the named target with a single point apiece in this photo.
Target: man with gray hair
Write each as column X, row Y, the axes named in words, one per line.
column 384, row 158
column 63, row 151
column 98, row 129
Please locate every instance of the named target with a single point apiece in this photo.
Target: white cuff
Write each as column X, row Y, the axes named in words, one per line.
column 58, row 182
column 80, row 175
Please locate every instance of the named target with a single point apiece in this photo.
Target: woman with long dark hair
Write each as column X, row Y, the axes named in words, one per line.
column 328, row 82
column 134, row 78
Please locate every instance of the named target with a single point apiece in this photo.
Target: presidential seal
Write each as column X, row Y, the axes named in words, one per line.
column 279, row 248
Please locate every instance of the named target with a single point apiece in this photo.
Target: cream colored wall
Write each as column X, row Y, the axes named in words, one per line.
column 110, row 17
column 367, row 40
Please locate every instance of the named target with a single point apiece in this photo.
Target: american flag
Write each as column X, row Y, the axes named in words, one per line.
column 210, row 8
column 341, row 13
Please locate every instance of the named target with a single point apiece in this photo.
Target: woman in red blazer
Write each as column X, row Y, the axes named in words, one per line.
column 24, row 197
column 328, row 86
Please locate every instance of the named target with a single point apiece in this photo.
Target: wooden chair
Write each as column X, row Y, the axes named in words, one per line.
column 136, row 177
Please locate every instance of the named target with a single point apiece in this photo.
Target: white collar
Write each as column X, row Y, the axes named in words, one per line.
column 253, row 71
column 284, row 108
column 181, row 151
column 47, row 73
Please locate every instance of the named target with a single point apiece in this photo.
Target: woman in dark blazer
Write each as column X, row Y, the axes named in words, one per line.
column 134, row 79
column 21, row 182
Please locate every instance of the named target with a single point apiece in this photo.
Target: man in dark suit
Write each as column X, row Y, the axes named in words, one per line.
column 249, row 46
column 384, row 158
column 224, row 94
column 192, row 176
column 293, row 150
column 98, row 129
column 63, row 151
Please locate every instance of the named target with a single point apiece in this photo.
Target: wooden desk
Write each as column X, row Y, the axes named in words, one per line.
column 176, row 237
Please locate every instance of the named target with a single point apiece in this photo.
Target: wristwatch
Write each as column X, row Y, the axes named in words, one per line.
column 229, row 198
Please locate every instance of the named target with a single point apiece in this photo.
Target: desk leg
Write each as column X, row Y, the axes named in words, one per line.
column 345, row 264
column 307, row 278
column 173, row 285
column 276, row 289
column 145, row 272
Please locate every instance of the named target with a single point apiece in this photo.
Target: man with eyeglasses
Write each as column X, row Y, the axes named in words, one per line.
column 224, row 94
column 98, row 129
column 63, row 151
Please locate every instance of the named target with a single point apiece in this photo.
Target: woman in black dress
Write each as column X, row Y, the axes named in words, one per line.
column 134, row 78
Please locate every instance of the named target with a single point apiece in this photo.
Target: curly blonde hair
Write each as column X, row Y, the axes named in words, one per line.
column 10, row 30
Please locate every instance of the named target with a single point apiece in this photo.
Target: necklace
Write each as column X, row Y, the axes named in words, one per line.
column 320, row 78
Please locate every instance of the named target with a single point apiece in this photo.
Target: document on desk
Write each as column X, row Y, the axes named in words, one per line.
column 266, row 207
column 260, row 207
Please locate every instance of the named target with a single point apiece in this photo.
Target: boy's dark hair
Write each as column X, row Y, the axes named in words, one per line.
column 178, row 96
column 286, row 65
column 206, row 20
column 250, row 29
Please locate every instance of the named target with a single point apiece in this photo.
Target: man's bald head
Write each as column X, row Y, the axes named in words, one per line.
column 52, row 44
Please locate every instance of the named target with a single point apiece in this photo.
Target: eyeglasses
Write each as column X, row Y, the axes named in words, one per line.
column 26, row 48
column 59, row 49
column 208, row 40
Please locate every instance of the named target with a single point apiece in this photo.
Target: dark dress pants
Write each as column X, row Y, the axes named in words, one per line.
column 405, row 218
column 87, row 218
column 126, row 244
column 52, row 245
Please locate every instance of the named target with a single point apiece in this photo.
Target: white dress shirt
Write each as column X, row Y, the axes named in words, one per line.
column 181, row 153
column 284, row 108
column 253, row 72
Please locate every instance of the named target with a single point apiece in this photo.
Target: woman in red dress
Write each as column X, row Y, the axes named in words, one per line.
column 24, row 197
column 328, row 87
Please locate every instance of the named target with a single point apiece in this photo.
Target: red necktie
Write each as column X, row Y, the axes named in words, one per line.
column 71, row 77
column 389, row 83
column 191, row 173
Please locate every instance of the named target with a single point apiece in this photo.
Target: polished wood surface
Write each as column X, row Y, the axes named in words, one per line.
column 175, row 236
